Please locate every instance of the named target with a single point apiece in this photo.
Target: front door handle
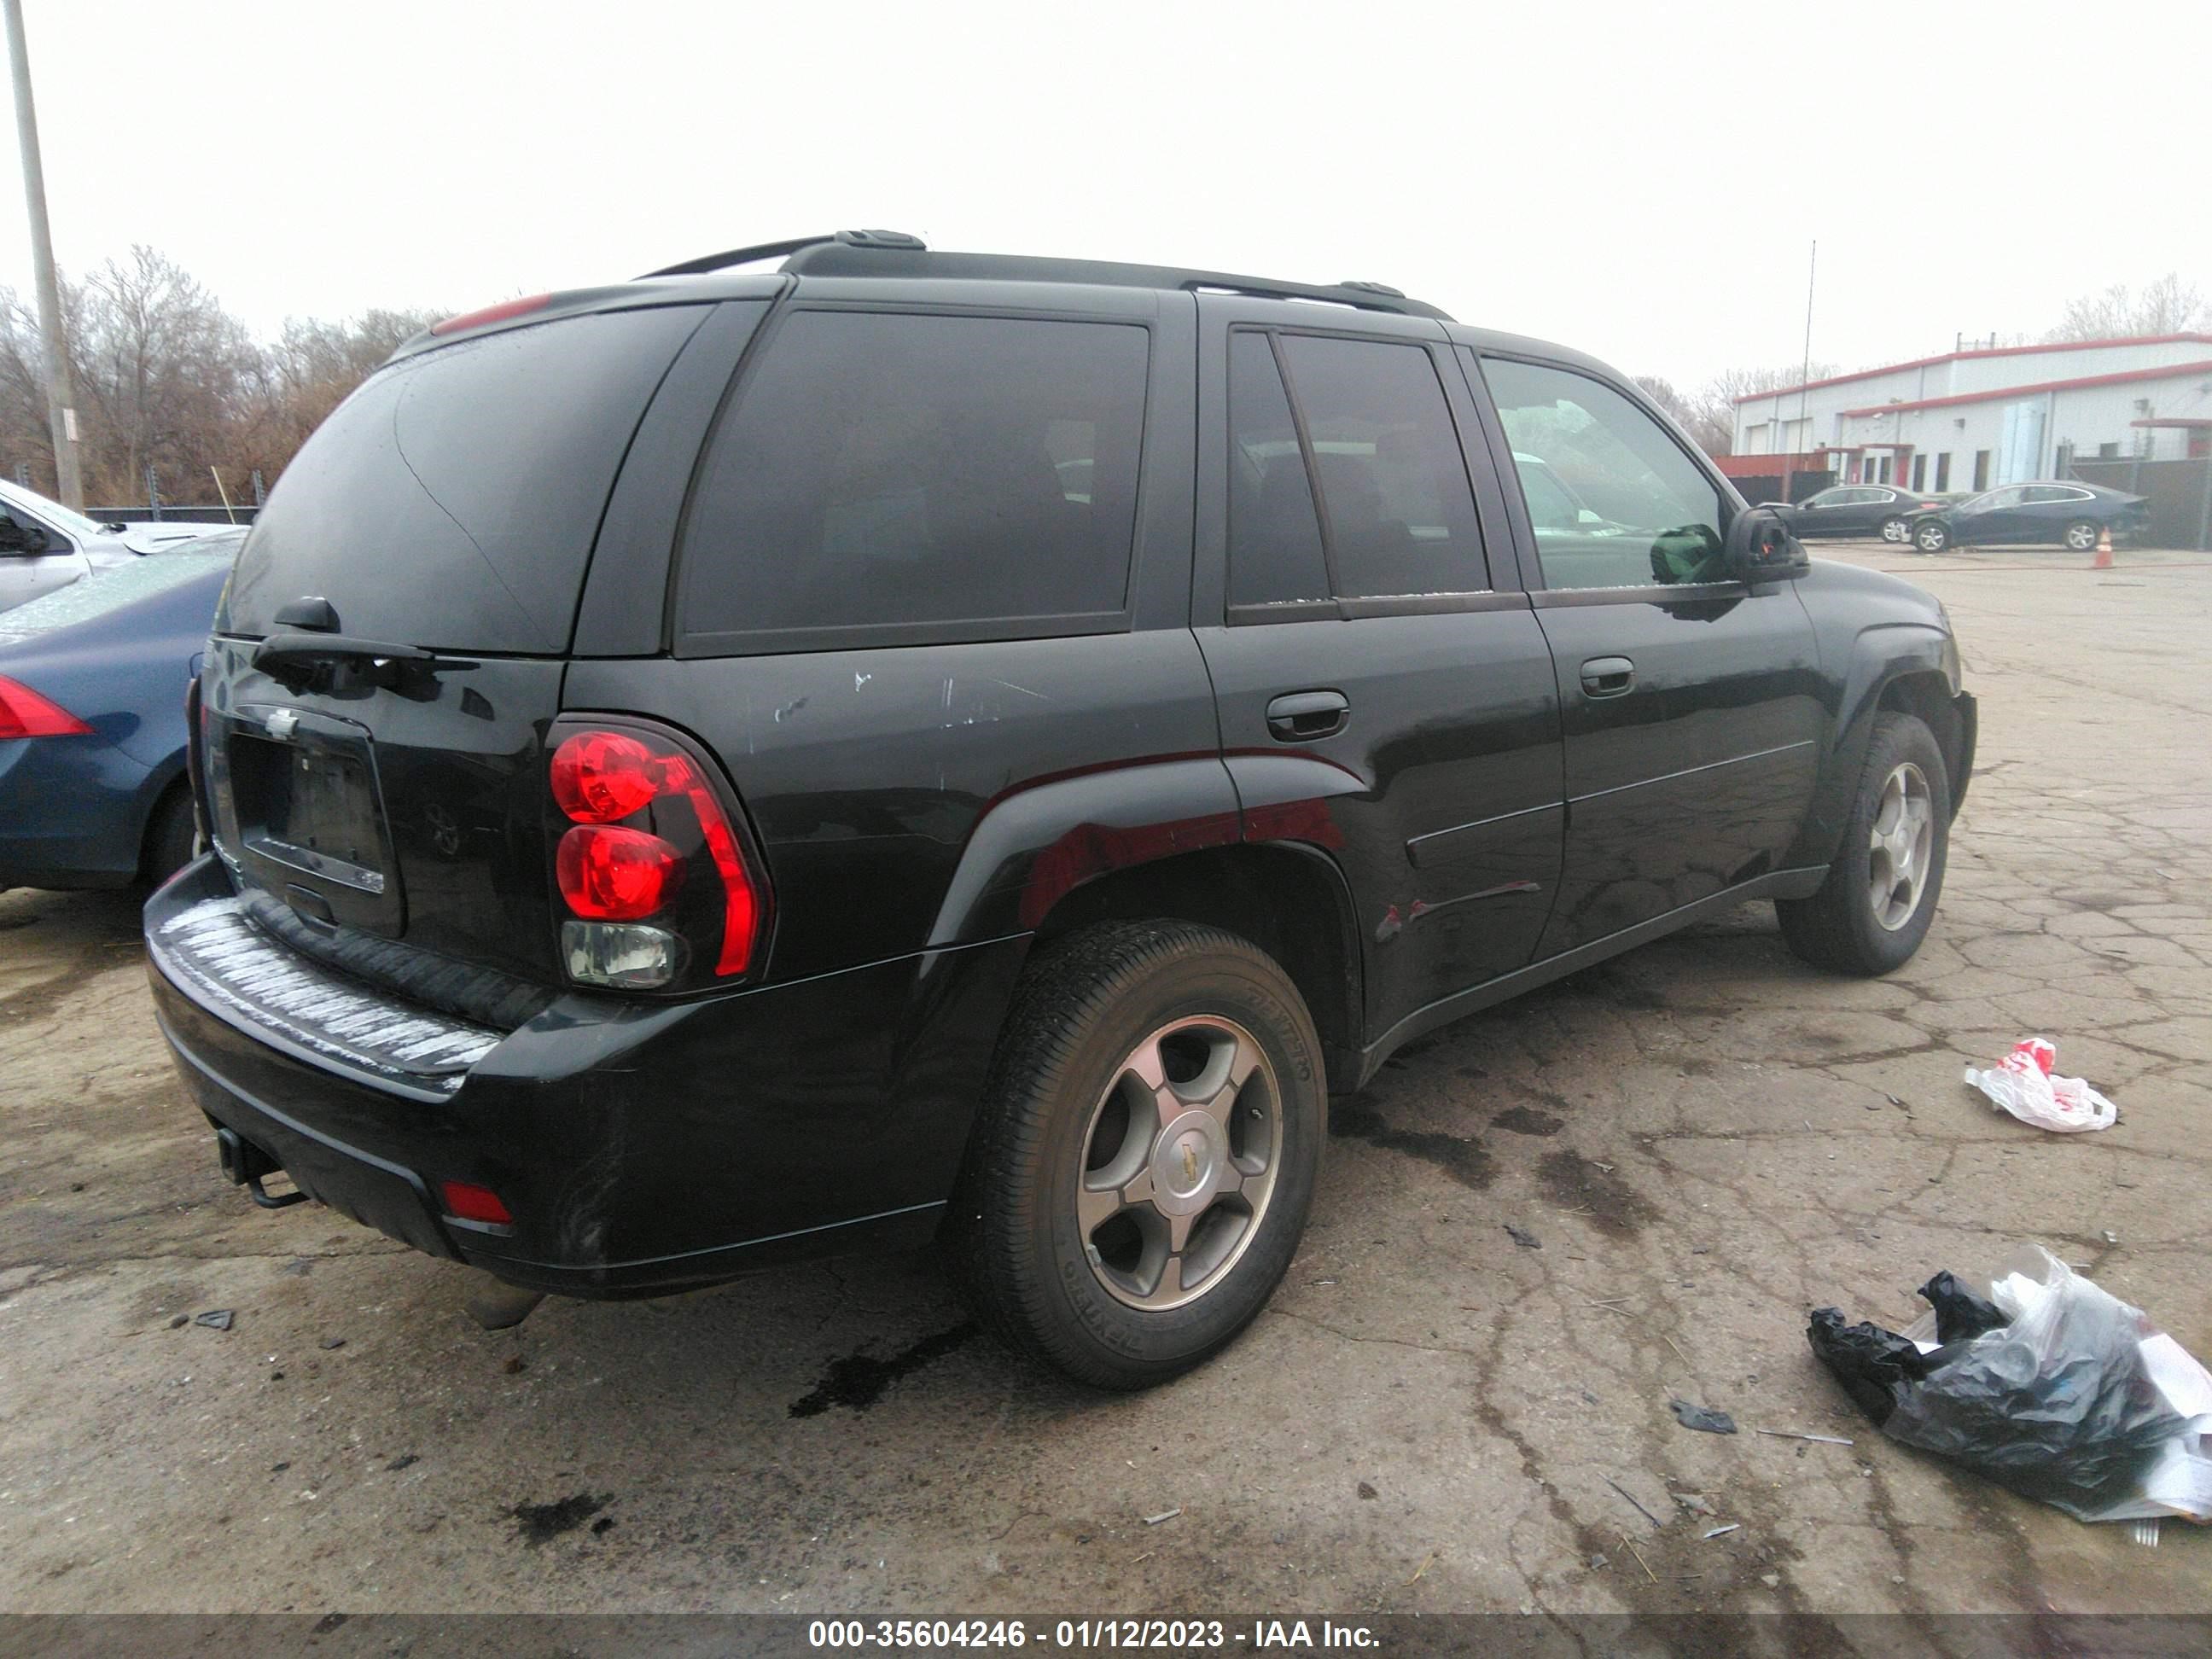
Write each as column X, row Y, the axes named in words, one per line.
column 1607, row 677
column 1301, row 716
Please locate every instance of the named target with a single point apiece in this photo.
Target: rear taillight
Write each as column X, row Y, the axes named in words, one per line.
column 24, row 713
column 651, row 868
column 608, row 873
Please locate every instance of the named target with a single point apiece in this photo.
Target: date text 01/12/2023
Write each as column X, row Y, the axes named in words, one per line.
column 1171, row 1635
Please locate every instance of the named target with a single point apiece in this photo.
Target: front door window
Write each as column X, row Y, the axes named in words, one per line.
column 1643, row 515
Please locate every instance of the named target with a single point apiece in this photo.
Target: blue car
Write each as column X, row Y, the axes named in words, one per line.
column 92, row 720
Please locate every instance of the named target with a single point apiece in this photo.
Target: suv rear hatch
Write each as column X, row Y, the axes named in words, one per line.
column 390, row 651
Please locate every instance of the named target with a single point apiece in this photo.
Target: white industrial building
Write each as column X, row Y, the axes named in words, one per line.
column 1972, row 419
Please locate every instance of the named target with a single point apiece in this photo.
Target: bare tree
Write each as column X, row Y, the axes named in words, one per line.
column 2168, row 306
column 161, row 368
column 1709, row 422
column 168, row 379
column 1708, row 414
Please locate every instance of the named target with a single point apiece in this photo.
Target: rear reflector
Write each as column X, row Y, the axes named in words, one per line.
column 466, row 1201
column 24, row 713
column 498, row 313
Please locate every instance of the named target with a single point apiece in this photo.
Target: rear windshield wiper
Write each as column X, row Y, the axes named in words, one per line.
column 297, row 658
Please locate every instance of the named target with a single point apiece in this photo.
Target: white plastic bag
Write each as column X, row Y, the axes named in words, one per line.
column 2022, row 1083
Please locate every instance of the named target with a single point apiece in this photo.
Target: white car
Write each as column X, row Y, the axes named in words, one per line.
column 45, row 545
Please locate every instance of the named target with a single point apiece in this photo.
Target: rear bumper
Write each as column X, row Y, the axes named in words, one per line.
column 640, row 1148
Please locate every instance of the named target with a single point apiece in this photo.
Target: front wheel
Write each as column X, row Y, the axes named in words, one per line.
column 1140, row 1173
column 1895, row 529
column 2081, row 537
column 1875, row 906
column 1932, row 536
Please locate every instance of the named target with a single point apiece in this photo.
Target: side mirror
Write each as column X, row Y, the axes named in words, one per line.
column 1761, row 547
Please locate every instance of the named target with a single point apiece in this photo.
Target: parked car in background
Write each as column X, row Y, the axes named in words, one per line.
column 698, row 774
column 2045, row 512
column 45, row 545
column 1883, row 510
column 92, row 719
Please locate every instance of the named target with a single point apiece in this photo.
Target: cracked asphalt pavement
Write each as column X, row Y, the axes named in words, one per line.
column 1697, row 1144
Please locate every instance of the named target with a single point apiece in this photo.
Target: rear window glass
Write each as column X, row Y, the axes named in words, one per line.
column 452, row 500
column 1400, row 513
column 1274, row 531
column 907, row 474
column 103, row 591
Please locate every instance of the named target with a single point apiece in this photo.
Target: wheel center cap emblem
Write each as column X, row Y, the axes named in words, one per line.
column 1186, row 1163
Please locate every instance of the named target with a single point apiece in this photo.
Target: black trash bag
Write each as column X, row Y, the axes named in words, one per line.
column 1959, row 1314
column 2055, row 1403
column 1873, row 1364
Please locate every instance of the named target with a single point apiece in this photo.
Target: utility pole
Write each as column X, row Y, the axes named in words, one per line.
column 61, row 400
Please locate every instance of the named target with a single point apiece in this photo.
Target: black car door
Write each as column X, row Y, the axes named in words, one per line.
column 1691, row 705
column 1823, row 514
column 1383, row 698
column 1999, row 516
column 2049, row 508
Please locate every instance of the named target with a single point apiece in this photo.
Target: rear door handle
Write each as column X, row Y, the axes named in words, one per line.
column 1301, row 716
column 1607, row 677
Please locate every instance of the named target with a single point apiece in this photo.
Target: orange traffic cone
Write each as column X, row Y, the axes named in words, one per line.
column 2103, row 559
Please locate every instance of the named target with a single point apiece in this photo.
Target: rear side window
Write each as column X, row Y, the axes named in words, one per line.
column 452, row 500
column 1394, row 493
column 885, row 478
column 1274, row 531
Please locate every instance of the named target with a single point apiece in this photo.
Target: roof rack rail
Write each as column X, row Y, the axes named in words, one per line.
column 837, row 257
column 896, row 253
column 746, row 255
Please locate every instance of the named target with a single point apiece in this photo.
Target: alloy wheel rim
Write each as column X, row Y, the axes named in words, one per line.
column 1180, row 1160
column 2080, row 539
column 1895, row 530
column 1901, row 843
column 1931, row 540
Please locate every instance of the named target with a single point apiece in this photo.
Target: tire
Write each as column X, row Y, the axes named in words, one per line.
column 1931, row 536
column 172, row 837
column 2081, row 536
column 1896, row 530
column 1064, row 1128
column 1847, row 926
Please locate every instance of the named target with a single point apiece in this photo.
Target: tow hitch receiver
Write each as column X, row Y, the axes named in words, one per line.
column 246, row 1164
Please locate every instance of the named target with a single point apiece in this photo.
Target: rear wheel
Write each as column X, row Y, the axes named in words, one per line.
column 172, row 837
column 1895, row 529
column 1874, row 910
column 1140, row 1174
column 1932, row 536
column 2081, row 536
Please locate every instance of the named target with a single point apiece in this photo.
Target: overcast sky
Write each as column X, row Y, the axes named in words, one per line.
column 1641, row 182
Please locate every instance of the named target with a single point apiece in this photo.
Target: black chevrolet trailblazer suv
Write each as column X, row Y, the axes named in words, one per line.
column 741, row 765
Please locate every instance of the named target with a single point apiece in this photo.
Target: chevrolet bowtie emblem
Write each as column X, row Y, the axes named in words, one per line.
column 1190, row 1164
